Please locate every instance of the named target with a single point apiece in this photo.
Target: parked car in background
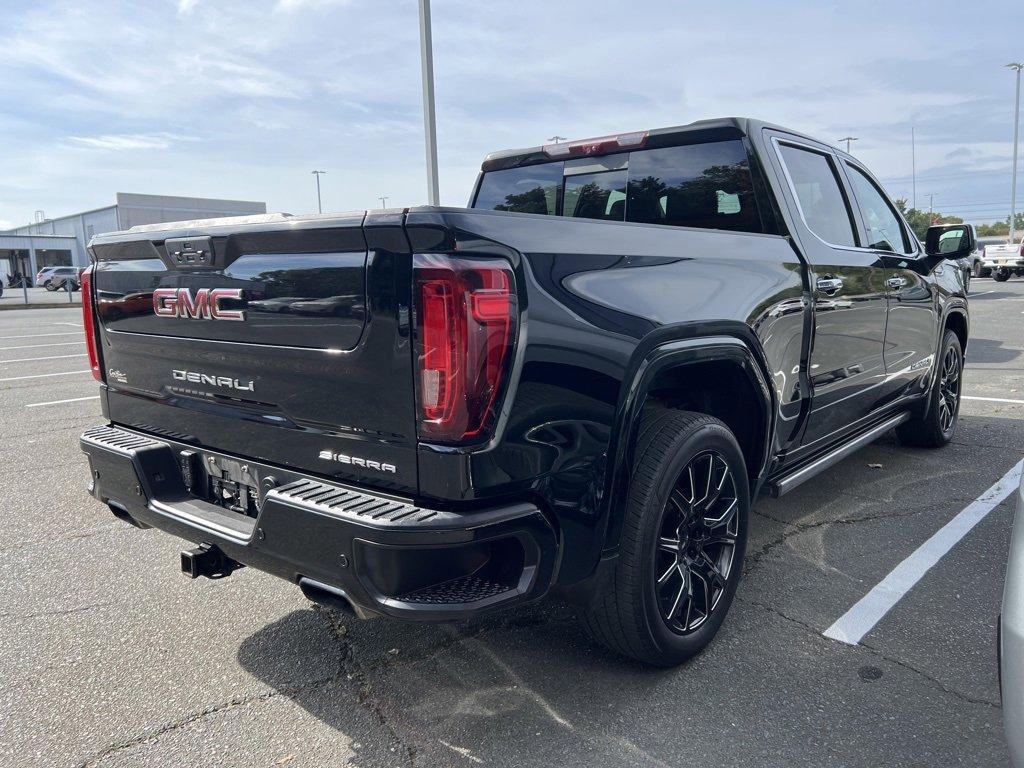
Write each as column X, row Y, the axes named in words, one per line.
column 983, row 243
column 43, row 276
column 59, row 277
column 1004, row 260
column 1011, row 639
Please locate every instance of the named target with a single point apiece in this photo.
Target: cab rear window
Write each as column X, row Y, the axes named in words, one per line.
column 707, row 186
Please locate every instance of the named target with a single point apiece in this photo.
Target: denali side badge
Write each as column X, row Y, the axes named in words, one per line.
column 358, row 462
column 179, row 302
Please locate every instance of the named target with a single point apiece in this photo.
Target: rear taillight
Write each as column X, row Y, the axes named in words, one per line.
column 89, row 324
column 465, row 324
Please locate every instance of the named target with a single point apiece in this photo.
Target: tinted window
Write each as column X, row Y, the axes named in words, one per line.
column 821, row 199
column 595, row 196
column 533, row 189
column 699, row 185
column 884, row 229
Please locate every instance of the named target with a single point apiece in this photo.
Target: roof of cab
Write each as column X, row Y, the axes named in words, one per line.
column 698, row 131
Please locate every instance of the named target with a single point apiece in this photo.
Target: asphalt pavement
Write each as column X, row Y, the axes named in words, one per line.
column 109, row 656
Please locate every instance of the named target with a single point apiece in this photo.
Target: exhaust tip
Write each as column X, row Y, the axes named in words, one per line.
column 327, row 596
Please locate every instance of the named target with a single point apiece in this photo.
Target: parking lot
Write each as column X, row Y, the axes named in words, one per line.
column 109, row 656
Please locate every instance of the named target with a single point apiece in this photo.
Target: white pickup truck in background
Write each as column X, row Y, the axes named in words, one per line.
column 1003, row 260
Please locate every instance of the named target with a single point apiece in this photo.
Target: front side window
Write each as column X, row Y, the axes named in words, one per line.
column 595, row 196
column 819, row 194
column 883, row 225
column 531, row 189
column 696, row 185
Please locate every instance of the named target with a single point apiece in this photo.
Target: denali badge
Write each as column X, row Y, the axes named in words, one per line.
column 213, row 381
column 358, row 462
column 179, row 302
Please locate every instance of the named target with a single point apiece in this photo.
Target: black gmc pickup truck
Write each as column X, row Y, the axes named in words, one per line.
column 581, row 382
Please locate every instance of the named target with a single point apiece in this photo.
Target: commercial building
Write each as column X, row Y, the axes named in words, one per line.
column 62, row 241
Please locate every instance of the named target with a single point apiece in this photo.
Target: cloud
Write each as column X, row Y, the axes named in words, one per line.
column 185, row 7
column 134, row 141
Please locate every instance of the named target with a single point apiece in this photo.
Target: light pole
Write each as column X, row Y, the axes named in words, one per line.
column 319, row 206
column 429, row 124
column 848, row 139
column 556, row 139
column 383, row 201
column 1016, row 130
column 931, row 205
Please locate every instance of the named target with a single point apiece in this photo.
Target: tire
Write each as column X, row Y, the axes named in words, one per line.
column 48, row 285
column 935, row 427
column 967, row 282
column 976, row 270
column 1001, row 275
column 695, row 568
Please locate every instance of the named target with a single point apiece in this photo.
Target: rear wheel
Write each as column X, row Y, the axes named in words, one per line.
column 935, row 427
column 1001, row 275
column 683, row 540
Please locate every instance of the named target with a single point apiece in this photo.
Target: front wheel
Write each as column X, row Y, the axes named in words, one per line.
column 935, row 427
column 684, row 534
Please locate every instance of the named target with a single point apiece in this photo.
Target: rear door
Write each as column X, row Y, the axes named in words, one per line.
column 847, row 285
column 285, row 341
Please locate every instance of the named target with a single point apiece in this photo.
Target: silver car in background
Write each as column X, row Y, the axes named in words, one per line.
column 1011, row 639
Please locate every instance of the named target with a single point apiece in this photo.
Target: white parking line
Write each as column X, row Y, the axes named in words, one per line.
column 58, row 402
column 38, row 346
column 976, row 295
column 41, row 335
column 851, row 627
column 32, row 359
column 991, row 399
column 44, row 375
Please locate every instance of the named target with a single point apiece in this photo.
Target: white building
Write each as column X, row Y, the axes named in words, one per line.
column 62, row 241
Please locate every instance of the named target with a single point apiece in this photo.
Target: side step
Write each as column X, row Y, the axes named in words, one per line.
column 798, row 477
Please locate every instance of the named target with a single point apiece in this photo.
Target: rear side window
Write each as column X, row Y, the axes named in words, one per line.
column 697, row 185
column 821, row 199
column 533, row 189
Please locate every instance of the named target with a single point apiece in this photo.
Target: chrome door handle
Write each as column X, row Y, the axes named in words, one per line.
column 830, row 286
column 896, row 283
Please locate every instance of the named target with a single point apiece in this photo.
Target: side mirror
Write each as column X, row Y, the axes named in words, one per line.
column 950, row 241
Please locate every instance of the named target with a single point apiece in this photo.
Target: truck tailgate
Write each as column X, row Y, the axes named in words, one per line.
column 276, row 338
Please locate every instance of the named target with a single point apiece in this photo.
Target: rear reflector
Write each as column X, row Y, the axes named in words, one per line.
column 599, row 146
column 89, row 323
column 465, row 322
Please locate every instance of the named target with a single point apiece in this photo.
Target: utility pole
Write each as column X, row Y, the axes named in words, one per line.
column 383, row 201
column 429, row 123
column 848, row 139
column 319, row 205
column 1017, row 66
column 556, row 139
column 913, row 167
column 931, row 206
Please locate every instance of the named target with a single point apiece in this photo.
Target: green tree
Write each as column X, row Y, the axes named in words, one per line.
column 920, row 220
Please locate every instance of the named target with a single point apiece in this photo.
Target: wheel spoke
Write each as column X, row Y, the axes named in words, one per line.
column 675, row 604
column 666, row 544
column 725, row 518
column 673, row 568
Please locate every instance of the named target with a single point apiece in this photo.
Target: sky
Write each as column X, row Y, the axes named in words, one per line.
column 243, row 99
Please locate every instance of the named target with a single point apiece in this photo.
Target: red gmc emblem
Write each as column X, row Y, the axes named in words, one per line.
column 205, row 305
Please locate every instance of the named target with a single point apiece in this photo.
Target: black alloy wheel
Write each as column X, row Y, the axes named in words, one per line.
column 697, row 543
column 949, row 390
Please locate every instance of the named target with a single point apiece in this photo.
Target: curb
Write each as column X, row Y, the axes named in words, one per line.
column 4, row 307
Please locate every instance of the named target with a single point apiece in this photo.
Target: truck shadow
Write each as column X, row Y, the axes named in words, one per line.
column 489, row 690
column 990, row 351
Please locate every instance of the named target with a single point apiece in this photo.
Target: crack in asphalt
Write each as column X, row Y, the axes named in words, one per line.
column 878, row 654
column 351, row 670
column 25, row 543
column 58, row 612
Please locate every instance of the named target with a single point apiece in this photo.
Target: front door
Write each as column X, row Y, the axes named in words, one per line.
column 848, row 290
column 910, row 335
